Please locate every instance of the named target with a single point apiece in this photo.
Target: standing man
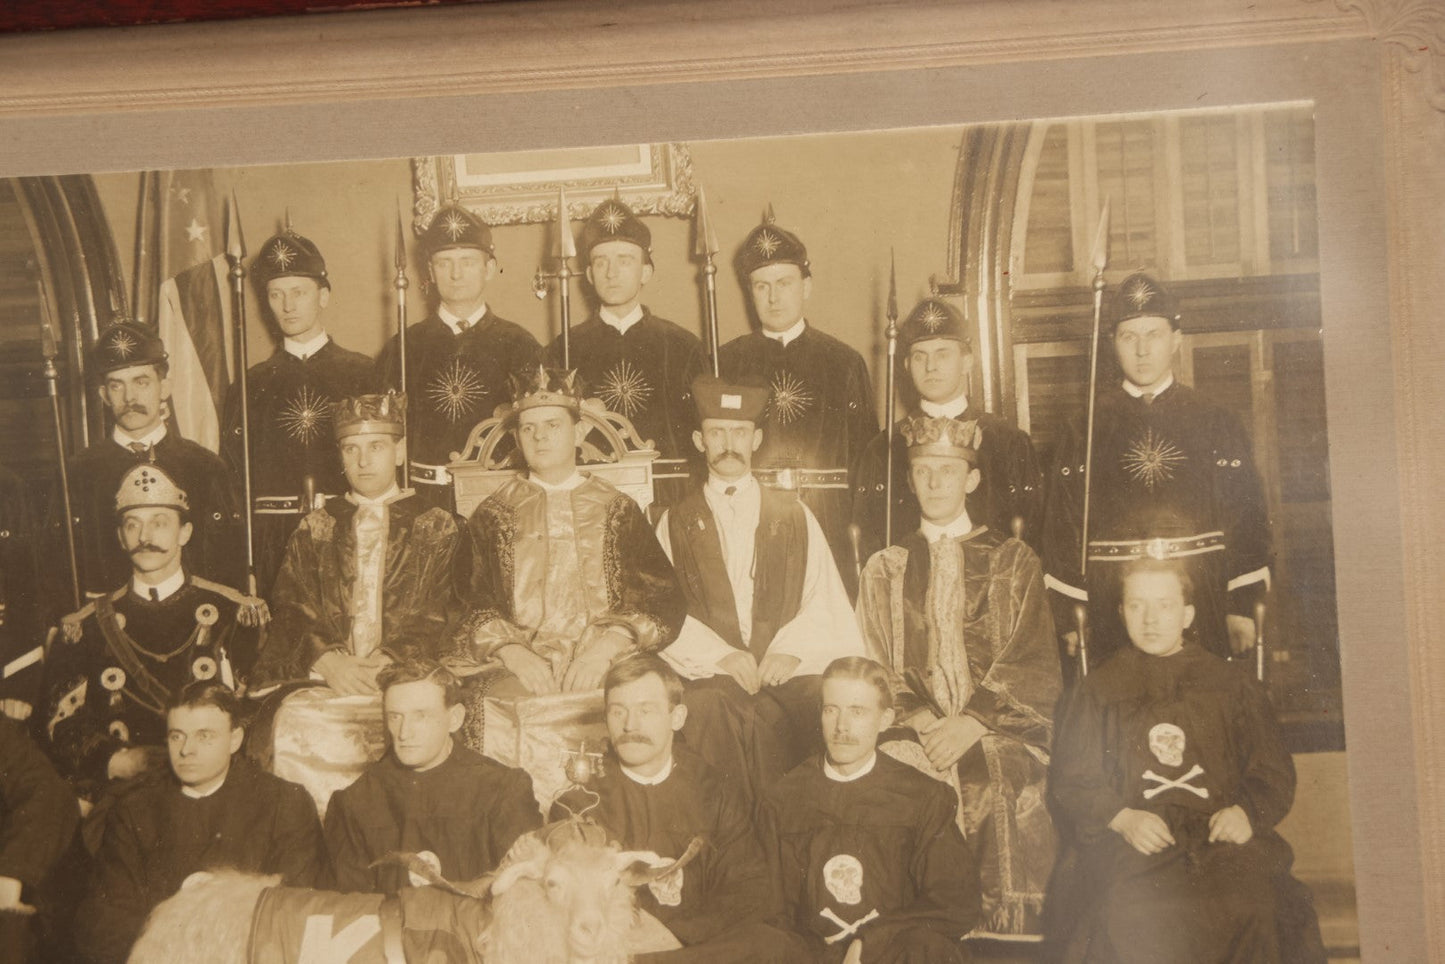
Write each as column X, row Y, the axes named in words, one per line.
column 820, row 413
column 459, row 359
column 655, row 796
column 21, row 629
column 865, row 850
column 293, row 462
column 367, row 578
column 937, row 353
column 214, row 809
column 767, row 611
column 567, row 576
column 957, row 614
column 640, row 365
column 114, row 665
column 1173, row 475
column 130, row 363
column 429, row 795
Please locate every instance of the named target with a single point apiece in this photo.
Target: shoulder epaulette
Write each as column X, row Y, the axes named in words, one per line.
column 220, row 589
column 250, row 610
column 70, row 623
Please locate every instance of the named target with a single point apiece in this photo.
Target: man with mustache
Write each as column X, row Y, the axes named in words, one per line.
column 289, row 398
column 130, row 365
column 767, row 610
column 114, row 665
column 957, row 614
column 460, row 357
column 640, row 365
column 655, row 796
column 866, row 853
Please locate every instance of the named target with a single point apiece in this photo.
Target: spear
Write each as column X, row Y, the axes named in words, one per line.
column 707, row 249
column 401, row 283
column 891, row 333
column 236, row 254
column 1100, row 262
column 52, row 378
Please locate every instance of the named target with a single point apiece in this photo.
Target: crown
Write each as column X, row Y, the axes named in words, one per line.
column 947, row 437
column 544, row 386
column 370, row 415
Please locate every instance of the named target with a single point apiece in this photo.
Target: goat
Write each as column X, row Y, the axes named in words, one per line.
column 563, row 895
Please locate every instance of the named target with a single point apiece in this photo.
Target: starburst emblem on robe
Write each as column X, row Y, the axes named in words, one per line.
column 282, row 256
column 123, row 345
column 932, row 318
column 1138, row 292
column 1152, row 459
column 791, row 398
column 456, row 390
column 612, row 217
column 304, row 416
column 624, row 389
column 766, row 243
column 454, row 225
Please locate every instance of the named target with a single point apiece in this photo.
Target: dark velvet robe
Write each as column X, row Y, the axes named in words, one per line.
column 114, row 664
column 38, row 813
column 626, row 577
column 992, row 658
column 453, row 382
column 898, row 827
column 819, row 416
column 467, row 810
column 1195, row 901
column 311, row 611
column 1011, row 485
column 157, row 836
column 21, row 626
column 647, row 376
column 726, row 886
column 217, row 547
column 292, row 437
column 1181, row 466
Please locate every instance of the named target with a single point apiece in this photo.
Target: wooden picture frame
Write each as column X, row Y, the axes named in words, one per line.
column 554, row 74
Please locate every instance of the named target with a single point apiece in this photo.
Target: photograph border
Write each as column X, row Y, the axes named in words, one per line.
column 549, row 74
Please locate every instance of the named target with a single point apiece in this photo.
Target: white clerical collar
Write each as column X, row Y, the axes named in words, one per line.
column 951, row 409
column 833, row 773
column 305, row 349
column 153, row 437
column 390, row 495
column 720, row 486
column 1138, row 392
column 961, row 526
column 454, row 321
column 195, row 794
column 647, row 781
column 567, row 485
column 163, row 589
column 787, row 336
column 621, row 322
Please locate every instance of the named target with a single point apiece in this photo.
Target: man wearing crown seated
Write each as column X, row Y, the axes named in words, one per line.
column 459, row 358
column 567, row 576
column 957, row 613
column 638, row 364
column 113, row 665
column 767, row 610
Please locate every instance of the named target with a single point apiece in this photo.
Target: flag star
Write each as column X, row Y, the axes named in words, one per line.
column 195, row 231
column 767, row 243
column 183, row 194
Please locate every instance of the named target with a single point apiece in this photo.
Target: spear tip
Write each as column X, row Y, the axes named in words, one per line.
column 566, row 244
column 235, row 240
column 707, row 245
column 1100, row 259
column 400, row 240
column 892, row 287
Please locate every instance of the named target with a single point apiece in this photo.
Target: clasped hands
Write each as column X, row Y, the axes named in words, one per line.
column 752, row 676
column 351, row 675
column 1147, row 832
column 945, row 740
column 589, row 664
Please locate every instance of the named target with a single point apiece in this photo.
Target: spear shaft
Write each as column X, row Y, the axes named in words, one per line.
column 707, row 249
column 566, row 250
column 52, row 380
column 889, row 405
column 1101, row 261
column 401, row 283
column 236, row 254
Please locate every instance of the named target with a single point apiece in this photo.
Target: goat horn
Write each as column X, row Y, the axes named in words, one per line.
column 636, row 871
column 425, row 871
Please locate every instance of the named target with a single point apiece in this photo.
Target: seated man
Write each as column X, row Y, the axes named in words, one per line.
column 656, row 797
column 567, row 577
column 1170, row 775
column 866, row 851
column 957, row 613
column 367, row 578
column 429, row 795
column 114, row 665
column 767, row 610
column 213, row 810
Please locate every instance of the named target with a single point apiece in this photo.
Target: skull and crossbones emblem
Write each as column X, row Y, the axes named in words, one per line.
column 843, row 876
column 1166, row 742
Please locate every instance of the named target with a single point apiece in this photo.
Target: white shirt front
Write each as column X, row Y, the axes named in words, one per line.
column 950, row 409
column 834, row 774
column 305, row 349
column 1138, row 392
column 786, row 336
column 149, row 439
column 566, row 485
column 646, row 781
column 961, row 526
column 620, row 322
column 454, row 321
column 163, row 590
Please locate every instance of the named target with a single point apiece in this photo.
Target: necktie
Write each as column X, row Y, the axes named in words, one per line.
column 1148, row 398
column 139, row 448
column 463, row 325
column 730, row 491
column 366, row 592
column 155, row 594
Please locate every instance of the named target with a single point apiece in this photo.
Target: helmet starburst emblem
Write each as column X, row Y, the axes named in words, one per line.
column 766, row 243
column 123, row 345
column 933, row 318
column 454, row 225
column 612, row 217
column 1139, row 292
column 282, row 255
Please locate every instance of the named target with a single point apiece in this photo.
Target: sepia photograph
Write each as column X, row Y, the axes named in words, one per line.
column 847, row 542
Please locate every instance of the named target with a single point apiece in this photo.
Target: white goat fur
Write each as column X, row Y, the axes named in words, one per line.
column 208, row 921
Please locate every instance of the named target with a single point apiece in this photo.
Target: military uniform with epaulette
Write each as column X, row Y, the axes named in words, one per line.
column 294, row 464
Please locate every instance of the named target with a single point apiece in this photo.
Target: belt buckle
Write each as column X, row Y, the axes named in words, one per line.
column 788, row 479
